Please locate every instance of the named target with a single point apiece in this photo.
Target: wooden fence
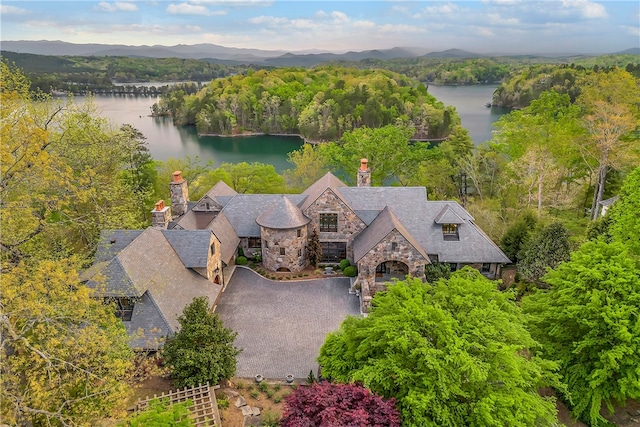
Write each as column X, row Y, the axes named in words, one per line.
column 204, row 407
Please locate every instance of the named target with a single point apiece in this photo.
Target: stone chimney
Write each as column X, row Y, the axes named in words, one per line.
column 364, row 174
column 179, row 194
column 161, row 215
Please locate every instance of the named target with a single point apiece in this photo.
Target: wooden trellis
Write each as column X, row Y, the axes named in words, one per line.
column 204, row 407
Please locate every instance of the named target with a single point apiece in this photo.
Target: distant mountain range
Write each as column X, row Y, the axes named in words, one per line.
column 229, row 55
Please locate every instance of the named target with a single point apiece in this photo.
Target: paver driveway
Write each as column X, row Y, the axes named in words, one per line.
column 282, row 325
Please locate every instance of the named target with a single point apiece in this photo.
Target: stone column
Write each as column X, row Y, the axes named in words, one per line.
column 179, row 194
column 364, row 174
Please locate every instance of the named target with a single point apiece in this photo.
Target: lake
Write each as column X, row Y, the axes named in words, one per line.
column 166, row 140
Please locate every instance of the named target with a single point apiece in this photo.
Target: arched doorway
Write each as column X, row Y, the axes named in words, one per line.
column 387, row 270
column 217, row 279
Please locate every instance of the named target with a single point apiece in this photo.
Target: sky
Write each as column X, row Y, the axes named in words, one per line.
column 483, row 26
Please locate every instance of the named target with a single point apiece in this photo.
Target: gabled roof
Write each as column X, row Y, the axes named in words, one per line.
column 243, row 209
column 148, row 328
column 316, row 189
column 384, row 224
column 227, row 237
column 153, row 266
column 448, row 216
column 112, row 242
column 109, row 279
column 221, row 189
column 207, row 204
column 194, row 220
column 192, row 246
column 282, row 214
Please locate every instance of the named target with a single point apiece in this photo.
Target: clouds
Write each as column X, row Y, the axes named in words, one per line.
column 487, row 26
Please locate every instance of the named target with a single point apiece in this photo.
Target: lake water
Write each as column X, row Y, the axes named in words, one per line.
column 166, row 140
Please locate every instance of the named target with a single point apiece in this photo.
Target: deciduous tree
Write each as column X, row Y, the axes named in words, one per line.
column 544, row 250
column 327, row 404
column 452, row 353
column 588, row 322
column 65, row 357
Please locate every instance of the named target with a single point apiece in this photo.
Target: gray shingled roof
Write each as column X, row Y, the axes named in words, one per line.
column 384, row 224
column 109, row 279
column 316, row 189
column 227, row 236
column 418, row 215
column 148, row 327
column 112, row 242
column 282, row 215
column 448, row 216
column 194, row 220
column 243, row 209
column 192, row 246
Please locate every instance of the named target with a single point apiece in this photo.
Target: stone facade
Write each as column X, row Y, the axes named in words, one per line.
column 293, row 242
column 349, row 224
column 161, row 215
column 394, row 247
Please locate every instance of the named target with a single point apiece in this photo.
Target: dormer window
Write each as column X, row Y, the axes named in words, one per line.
column 124, row 308
column 450, row 232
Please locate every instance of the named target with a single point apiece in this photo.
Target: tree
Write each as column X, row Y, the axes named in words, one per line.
column 203, row 349
column 451, row 353
column 544, row 250
column 314, row 250
column 161, row 414
column 610, row 102
column 624, row 222
column 387, row 149
column 330, row 404
column 588, row 322
column 309, row 166
column 436, row 271
column 65, row 357
column 254, row 178
column 516, row 236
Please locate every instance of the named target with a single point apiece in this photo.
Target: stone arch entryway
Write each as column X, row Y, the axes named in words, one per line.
column 388, row 270
column 217, row 279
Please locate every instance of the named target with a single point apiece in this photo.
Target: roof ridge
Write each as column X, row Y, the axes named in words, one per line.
column 164, row 318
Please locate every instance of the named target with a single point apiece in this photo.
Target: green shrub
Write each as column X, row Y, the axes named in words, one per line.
column 270, row 419
column 239, row 385
column 276, row 387
column 344, row 264
column 240, row 252
column 350, row 271
column 223, row 402
column 241, row 260
column 263, row 386
column 254, row 394
column 270, row 393
column 277, row 399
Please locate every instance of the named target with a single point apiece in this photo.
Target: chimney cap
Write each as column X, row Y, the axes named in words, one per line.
column 177, row 176
column 159, row 205
column 363, row 164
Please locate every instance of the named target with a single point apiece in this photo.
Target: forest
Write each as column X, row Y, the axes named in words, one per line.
column 535, row 188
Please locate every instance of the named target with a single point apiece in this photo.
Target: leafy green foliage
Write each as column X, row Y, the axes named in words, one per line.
column 588, row 322
column 544, row 250
column 329, row 404
column 625, row 226
column 436, row 271
column 203, row 349
column 350, row 271
column 241, row 260
column 161, row 414
column 344, row 264
column 517, row 235
column 451, row 353
column 65, row 357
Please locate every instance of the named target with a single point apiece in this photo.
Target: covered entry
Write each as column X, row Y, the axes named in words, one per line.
column 387, row 270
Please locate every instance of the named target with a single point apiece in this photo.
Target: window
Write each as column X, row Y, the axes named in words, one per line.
column 329, row 222
column 333, row 251
column 283, row 251
column 298, row 232
column 394, row 246
column 450, row 232
column 254, row 242
column 124, row 308
column 299, row 252
column 453, row 266
column 433, row 257
column 213, row 248
column 266, row 244
column 486, row 267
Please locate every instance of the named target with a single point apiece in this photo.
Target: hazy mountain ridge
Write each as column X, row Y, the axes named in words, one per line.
column 235, row 56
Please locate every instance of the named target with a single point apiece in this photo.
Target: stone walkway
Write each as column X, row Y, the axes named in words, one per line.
column 282, row 325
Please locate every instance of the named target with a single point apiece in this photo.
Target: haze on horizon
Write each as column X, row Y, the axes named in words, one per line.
column 487, row 26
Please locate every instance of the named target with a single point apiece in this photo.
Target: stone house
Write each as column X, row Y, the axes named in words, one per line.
column 386, row 232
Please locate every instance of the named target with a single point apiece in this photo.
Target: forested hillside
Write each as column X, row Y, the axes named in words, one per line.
column 320, row 104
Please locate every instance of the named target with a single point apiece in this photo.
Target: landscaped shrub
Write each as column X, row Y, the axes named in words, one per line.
column 241, row 260
column 350, row 271
column 344, row 264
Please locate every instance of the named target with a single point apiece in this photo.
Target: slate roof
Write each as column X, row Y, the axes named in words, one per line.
column 151, row 264
column 316, row 189
column 109, row 279
column 243, row 209
column 227, row 236
column 448, row 216
column 221, row 189
column 112, row 242
column 384, row 224
column 192, row 246
column 194, row 220
column 148, row 327
column 282, row 215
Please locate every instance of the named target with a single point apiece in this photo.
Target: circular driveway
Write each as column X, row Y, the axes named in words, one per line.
column 282, row 325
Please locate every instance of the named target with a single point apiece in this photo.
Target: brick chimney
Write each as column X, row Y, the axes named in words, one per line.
column 179, row 194
column 364, row 174
column 161, row 215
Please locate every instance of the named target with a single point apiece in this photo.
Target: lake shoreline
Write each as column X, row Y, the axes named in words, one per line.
column 250, row 134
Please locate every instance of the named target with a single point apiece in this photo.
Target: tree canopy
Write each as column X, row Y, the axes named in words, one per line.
column 202, row 350
column 588, row 322
column 451, row 353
